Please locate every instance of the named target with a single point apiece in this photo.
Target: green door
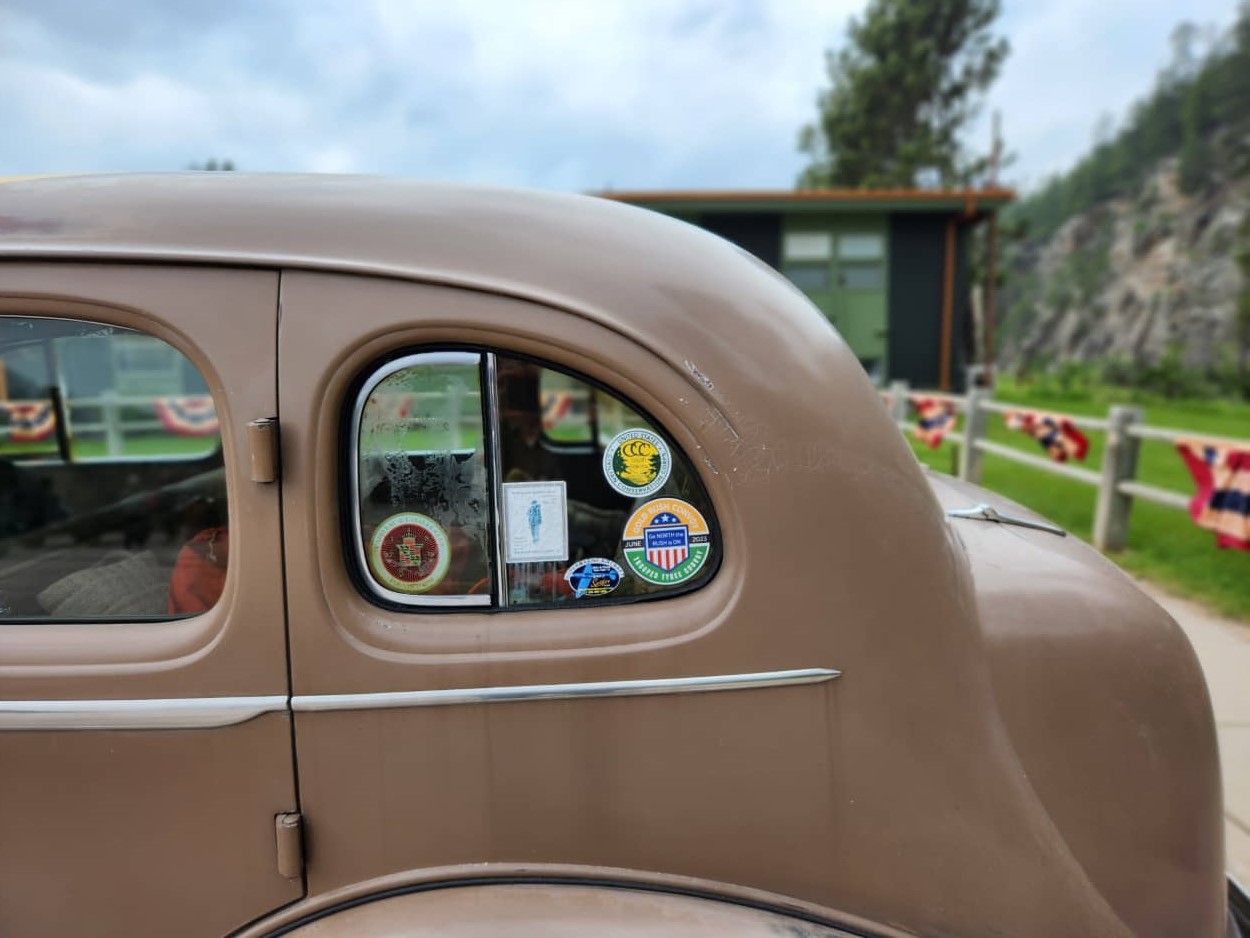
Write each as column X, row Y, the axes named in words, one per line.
column 840, row 263
column 859, row 306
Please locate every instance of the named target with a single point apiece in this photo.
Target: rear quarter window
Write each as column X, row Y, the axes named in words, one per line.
column 483, row 479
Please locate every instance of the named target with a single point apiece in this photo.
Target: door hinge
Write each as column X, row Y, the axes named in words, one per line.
column 262, row 443
column 289, row 829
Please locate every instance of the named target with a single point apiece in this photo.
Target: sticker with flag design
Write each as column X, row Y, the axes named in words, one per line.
column 666, row 541
column 409, row 553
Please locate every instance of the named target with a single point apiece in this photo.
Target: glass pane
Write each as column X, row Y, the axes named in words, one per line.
column 133, row 524
column 421, row 481
column 568, row 409
column 807, row 246
column 809, row 277
column 863, row 247
column 625, row 518
column 863, row 276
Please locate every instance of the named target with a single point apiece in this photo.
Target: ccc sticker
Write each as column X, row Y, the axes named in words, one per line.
column 637, row 463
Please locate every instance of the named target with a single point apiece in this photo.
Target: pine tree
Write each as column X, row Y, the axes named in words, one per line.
column 903, row 88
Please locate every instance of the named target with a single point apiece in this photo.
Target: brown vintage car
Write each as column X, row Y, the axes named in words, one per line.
column 381, row 559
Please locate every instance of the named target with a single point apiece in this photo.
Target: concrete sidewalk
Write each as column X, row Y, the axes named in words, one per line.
column 1223, row 647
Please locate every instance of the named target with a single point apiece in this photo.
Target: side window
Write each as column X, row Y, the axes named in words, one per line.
column 484, row 479
column 112, row 492
column 421, row 481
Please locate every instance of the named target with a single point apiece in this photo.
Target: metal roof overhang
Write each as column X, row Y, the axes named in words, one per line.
column 972, row 203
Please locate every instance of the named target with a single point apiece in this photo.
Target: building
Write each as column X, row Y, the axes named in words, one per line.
column 888, row 267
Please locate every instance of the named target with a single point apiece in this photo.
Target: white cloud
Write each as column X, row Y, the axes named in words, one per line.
column 557, row 93
column 1073, row 61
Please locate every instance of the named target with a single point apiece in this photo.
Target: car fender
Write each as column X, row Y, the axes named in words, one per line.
column 1108, row 712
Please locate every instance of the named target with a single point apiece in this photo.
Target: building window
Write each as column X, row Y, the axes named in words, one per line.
column 112, row 492
column 810, row 277
column 489, row 480
column 862, row 276
column 807, row 246
column 861, row 247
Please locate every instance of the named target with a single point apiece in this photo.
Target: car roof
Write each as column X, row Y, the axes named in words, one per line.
column 510, row 240
column 692, row 298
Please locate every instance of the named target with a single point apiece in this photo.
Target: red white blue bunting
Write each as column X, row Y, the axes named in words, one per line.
column 556, row 406
column 188, row 416
column 1057, row 435
column 30, row 421
column 1222, row 501
column 935, row 419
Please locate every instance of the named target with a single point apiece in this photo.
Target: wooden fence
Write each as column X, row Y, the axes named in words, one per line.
column 1115, row 481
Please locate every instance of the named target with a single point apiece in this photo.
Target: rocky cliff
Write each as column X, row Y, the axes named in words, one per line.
column 1132, row 280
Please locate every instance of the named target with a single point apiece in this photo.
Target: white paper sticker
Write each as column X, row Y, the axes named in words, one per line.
column 536, row 524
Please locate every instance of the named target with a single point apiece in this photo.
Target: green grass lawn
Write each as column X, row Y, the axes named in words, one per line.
column 148, row 444
column 1163, row 544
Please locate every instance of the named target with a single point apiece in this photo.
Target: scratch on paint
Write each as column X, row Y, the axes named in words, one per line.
column 698, row 375
column 754, row 458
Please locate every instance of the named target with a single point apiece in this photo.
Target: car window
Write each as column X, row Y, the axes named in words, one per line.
column 112, row 492
column 421, row 481
column 488, row 479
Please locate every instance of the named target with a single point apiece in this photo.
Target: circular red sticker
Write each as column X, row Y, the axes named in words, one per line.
column 409, row 553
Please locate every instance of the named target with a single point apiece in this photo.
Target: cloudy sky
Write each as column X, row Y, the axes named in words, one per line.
column 559, row 94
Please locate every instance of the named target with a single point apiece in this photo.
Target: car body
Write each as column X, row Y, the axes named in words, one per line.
column 350, row 641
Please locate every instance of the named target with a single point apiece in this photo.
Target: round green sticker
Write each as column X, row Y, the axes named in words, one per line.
column 666, row 541
column 637, row 463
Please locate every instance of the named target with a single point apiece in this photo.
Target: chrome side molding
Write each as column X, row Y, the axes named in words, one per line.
column 187, row 713
column 640, row 688
column 180, row 713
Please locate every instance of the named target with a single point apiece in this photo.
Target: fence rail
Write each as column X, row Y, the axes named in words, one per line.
column 1116, row 480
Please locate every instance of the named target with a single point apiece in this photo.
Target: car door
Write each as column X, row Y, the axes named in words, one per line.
column 145, row 746
column 496, row 627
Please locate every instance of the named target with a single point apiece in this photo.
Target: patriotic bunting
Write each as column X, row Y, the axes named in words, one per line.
column 1222, row 502
column 556, row 406
column 30, row 421
column 936, row 418
column 188, row 416
column 1057, row 435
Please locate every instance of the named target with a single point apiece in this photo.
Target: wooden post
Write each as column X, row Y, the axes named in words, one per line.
column 974, row 429
column 1119, row 464
column 948, row 307
column 113, row 432
column 898, row 400
column 899, row 397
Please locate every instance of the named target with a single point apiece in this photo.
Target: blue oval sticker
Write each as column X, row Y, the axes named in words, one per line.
column 594, row 576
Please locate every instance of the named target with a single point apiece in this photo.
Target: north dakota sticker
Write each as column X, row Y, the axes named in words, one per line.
column 594, row 576
column 409, row 553
column 637, row 463
column 666, row 541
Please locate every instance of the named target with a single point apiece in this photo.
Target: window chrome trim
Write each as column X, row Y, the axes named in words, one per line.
column 151, row 714
column 639, row 688
column 490, row 438
column 399, row 364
